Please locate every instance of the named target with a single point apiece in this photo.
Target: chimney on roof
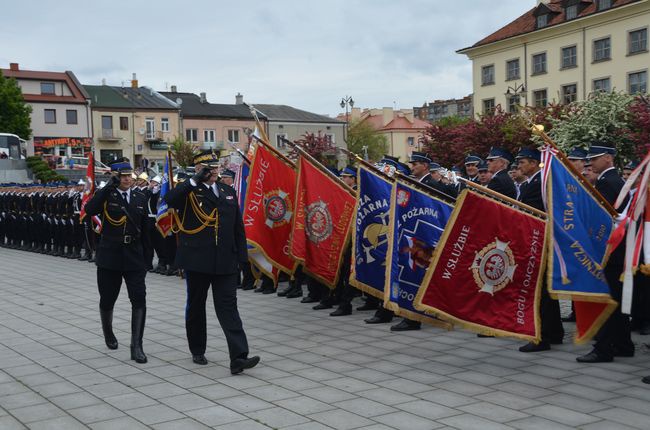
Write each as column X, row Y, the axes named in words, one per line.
column 203, row 99
column 239, row 99
column 13, row 67
column 134, row 82
column 173, row 88
column 387, row 116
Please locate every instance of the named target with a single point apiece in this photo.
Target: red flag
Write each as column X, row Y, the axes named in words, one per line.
column 89, row 188
column 322, row 223
column 487, row 269
column 269, row 207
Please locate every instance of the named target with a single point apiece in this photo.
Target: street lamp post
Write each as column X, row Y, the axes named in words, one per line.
column 516, row 91
column 345, row 102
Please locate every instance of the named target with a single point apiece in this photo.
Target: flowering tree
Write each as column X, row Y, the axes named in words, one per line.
column 638, row 133
column 318, row 146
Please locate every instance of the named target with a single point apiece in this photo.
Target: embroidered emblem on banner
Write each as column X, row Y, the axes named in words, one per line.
column 277, row 208
column 494, row 267
column 403, row 197
column 374, row 236
column 319, row 222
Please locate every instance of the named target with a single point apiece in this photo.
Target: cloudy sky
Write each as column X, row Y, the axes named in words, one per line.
column 304, row 53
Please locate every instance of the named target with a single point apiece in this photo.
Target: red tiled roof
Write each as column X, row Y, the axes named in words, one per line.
column 78, row 93
column 401, row 123
column 527, row 22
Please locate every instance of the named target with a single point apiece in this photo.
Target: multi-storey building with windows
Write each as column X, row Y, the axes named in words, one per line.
column 60, row 119
column 212, row 125
column 561, row 51
column 438, row 109
column 134, row 122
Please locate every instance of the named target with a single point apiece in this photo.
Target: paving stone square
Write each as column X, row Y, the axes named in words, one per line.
column 317, row 372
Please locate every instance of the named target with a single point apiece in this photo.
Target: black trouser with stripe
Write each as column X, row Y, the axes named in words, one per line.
column 109, row 283
column 224, row 296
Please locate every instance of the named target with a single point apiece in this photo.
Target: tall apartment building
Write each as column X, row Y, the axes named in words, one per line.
column 561, row 51
column 60, row 119
column 438, row 109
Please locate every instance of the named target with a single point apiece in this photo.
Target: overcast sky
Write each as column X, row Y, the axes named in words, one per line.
column 304, row 53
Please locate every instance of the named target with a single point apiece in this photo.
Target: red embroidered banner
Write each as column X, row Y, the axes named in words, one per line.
column 322, row 223
column 269, row 208
column 486, row 271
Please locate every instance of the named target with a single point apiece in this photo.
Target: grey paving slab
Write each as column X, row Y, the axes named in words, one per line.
column 316, row 372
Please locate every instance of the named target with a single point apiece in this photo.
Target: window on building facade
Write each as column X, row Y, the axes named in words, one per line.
column 637, row 82
column 571, row 12
column 150, row 127
column 539, row 63
column 513, row 104
column 124, row 123
column 410, row 141
column 540, row 98
column 512, row 69
column 604, row 4
column 192, row 135
column 164, row 124
column 488, row 106
column 50, row 116
column 542, row 21
column 569, row 93
column 47, row 88
column 569, row 57
column 330, row 138
column 107, row 122
column 638, row 41
column 71, row 116
column 602, row 49
column 208, row 136
column 602, row 85
column 279, row 140
column 487, row 75
column 233, row 136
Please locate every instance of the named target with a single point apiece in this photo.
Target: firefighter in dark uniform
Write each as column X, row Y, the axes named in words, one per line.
column 212, row 244
column 528, row 160
column 120, row 253
column 614, row 338
column 501, row 182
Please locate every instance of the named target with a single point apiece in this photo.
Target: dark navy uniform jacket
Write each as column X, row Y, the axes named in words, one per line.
column 502, row 183
column 120, row 247
column 216, row 252
column 531, row 192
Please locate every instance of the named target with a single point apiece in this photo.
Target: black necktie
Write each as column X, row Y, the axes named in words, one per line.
column 124, row 196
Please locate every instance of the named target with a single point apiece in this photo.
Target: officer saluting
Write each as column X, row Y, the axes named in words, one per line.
column 120, row 253
column 212, row 244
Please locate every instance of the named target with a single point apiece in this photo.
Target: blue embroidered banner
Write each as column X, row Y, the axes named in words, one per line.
column 580, row 228
column 370, row 234
column 417, row 222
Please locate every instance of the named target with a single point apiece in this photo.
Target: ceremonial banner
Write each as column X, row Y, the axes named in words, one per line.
column 89, row 190
column 417, row 221
column 578, row 234
column 370, row 233
column 486, row 272
column 322, row 223
column 241, row 183
column 269, row 208
column 164, row 216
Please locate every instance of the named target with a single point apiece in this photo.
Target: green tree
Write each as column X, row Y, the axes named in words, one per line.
column 361, row 135
column 14, row 112
column 183, row 151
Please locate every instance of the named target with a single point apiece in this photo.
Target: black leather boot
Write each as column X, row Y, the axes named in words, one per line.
column 107, row 328
column 137, row 328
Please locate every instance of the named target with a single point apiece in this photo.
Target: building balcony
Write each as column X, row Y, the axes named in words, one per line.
column 108, row 135
column 153, row 136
